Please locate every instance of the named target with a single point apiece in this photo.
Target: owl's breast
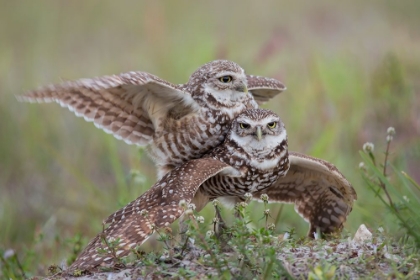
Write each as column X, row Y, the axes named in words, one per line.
column 179, row 140
column 251, row 181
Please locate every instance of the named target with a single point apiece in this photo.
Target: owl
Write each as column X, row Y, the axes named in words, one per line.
column 253, row 159
column 176, row 122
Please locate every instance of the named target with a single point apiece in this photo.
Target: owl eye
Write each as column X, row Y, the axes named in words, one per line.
column 272, row 125
column 244, row 125
column 225, row 79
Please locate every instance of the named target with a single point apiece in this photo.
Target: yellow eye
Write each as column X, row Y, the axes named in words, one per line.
column 244, row 125
column 272, row 125
column 225, row 79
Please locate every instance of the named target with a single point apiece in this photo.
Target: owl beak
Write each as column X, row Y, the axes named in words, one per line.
column 242, row 88
column 259, row 133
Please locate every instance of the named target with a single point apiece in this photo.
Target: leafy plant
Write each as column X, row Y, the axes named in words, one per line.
column 402, row 197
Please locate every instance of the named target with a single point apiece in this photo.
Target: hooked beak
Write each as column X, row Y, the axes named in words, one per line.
column 242, row 88
column 259, row 133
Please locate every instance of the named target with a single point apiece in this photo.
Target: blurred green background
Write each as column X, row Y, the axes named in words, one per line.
column 352, row 70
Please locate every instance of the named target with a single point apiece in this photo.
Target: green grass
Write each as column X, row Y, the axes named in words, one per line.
column 351, row 70
column 401, row 196
column 251, row 249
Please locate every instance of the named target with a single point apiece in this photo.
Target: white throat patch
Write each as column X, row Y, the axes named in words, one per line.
column 228, row 96
column 260, row 149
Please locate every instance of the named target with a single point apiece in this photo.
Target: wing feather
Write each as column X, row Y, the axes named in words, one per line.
column 263, row 88
column 320, row 192
column 156, row 208
column 128, row 105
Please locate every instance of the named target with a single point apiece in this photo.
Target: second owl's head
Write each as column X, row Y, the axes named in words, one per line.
column 220, row 81
column 258, row 130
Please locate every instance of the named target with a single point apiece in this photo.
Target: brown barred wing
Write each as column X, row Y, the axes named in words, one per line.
column 159, row 207
column 263, row 88
column 126, row 105
column 321, row 194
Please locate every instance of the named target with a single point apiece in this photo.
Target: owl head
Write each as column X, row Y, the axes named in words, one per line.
column 220, row 82
column 258, row 132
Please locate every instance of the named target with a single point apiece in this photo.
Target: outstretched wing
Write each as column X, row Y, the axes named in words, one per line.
column 263, row 89
column 156, row 208
column 126, row 105
column 321, row 194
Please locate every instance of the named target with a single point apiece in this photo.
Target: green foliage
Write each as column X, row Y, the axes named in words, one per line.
column 401, row 196
column 322, row 272
column 76, row 245
column 11, row 266
column 239, row 251
column 249, row 250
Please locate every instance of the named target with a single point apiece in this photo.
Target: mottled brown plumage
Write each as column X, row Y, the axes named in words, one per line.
column 252, row 157
column 185, row 127
column 156, row 208
column 177, row 122
column 321, row 194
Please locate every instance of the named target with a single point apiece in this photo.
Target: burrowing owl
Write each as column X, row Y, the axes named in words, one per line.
column 252, row 159
column 177, row 122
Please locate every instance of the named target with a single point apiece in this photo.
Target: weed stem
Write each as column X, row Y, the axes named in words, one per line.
column 384, row 172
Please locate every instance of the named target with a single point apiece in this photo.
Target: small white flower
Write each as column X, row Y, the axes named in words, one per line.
column 264, row 197
column 215, row 202
column 111, row 239
column 267, row 212
column 389, row 138
column 243, row 204
column 209, row 233
column 9, row 253
column 191, row 206
column 368, row 147
column 362, row 165
column 200, row 219
column 188, row 212
column 271, row 226
column 182, row 203
column 248, row 197
column 390, row 131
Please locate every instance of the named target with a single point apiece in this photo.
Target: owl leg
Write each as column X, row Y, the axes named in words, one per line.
column 219, row 224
